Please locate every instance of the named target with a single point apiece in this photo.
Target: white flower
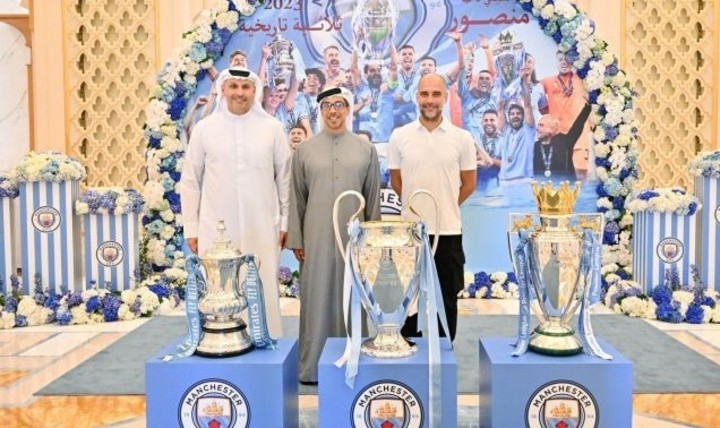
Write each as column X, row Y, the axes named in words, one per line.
column 684, row 297
column 7, row 320
column 124, row 313
column 539, row 4
column 79, row 314
column 156, row 114
column 128, row 296
column 499, row 277
column 27, row 306
column 469, row 278
column 244, row 7
column 564, row 8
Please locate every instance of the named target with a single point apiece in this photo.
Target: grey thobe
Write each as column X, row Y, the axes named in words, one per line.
column 322, row 168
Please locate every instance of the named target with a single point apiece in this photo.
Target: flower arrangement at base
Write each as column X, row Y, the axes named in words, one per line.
column 706, row 164
column 499, row 285
column 288, row 282
column 109, row 200
column 670, row 302
column 49, row 166
column 93, row 306
column 8, row 185
column 674, row 200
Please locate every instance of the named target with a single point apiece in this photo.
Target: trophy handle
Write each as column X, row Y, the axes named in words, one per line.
column 437, row 213
column 336, row 228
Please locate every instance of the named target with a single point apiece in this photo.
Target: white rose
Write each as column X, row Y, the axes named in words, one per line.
column 7, row 320
column 547, row 11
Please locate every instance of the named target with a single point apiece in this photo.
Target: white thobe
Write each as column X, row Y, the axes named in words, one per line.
column 237, row 169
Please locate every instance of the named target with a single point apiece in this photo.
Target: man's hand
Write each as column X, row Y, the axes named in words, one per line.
column 192, row 243
column 455, row 35
column 299, row 254
column 283, row 237
column 483, row 42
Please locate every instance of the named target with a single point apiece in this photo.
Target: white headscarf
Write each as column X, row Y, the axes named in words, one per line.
column 232, row 73
column 347, row 95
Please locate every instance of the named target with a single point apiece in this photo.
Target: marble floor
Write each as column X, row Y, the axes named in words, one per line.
column 31, row 358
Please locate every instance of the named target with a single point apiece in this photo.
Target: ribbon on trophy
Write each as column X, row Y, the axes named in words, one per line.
column 257, row 321
column 591, row 261
column 523, row 278
column 352, row 290
column 195, row 281
column 431, row 307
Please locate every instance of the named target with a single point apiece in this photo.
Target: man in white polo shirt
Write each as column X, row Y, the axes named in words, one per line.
column 433, row 154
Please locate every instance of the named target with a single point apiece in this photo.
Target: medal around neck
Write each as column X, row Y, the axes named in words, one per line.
column 556, row 255
column 384, row 261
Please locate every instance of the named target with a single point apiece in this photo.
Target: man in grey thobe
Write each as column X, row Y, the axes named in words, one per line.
column 331, row 162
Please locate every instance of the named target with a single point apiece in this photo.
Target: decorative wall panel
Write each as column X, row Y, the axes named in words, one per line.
column 670, row 48
column 110, row 55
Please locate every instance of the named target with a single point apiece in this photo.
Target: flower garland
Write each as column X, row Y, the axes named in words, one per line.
column 706, row 164
column 92, row 306
column 109, row 200
column 288, row 282
column 164, row 127
column 610, row 93
column 8, row 185
column 670, row 301
column 49, row 166
column 663, row 200
column 499, row 285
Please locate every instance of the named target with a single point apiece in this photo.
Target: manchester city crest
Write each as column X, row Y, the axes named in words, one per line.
column 562, row 404
column 670, row 250
column 387, row 404
column 213, row 403
column 110, row 253
column 46, row 219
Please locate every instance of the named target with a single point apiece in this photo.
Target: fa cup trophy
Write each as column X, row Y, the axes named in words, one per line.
column 556, row 255
column 373, row 25
column 215, row 300
column 281, row 64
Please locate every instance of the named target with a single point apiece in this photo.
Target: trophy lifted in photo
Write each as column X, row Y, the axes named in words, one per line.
column 215, row 300
column 281, row 63
column 373, row 26
column 557, row 259
column 385, row 263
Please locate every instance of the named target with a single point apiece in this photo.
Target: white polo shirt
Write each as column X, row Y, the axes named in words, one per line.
column 432, row 161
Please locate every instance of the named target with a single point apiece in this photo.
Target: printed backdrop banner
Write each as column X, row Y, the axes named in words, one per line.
column 488, row 51
column 111, row 250
column 50, row 235
column 662, row 241
column 7, row 245
column 708, row 228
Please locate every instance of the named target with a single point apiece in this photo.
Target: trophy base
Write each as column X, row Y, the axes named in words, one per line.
column 555, row 340
column 389, row 343
column 223, row 343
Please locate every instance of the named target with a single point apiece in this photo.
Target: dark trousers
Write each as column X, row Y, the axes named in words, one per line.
column 450, row 262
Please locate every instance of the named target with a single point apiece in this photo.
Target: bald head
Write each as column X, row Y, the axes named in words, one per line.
column 431, row 97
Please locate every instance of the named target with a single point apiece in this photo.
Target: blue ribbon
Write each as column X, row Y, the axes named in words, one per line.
column 195, row 282
column 522, row 274
column 253, row 286
column 591, row 262
column 431, row 307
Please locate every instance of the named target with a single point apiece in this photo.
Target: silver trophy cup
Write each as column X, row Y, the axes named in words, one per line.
column 373, row 25
column 281, row 64
column 221, row 301
column 386, row 259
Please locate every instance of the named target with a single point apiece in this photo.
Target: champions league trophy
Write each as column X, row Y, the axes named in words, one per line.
column 215, row 300
column 557, row 254
column 384, row 257
column 373, row 26
column 281, row 64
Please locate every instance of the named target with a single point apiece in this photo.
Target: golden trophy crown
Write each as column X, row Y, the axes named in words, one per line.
column 556, row 202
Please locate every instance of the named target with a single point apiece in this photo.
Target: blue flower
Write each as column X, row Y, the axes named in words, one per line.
column 482, row 278
column 74, row 299
column 692, row 207
column 93, row 304
column 603, row 162
column 110, row 306
column 694, row 314
column 53, row 302
column 610, row 235
column 600, row 190
column 511, row 277
column 661, row 295
column 197, row 52
column 177, row 107
column 618, row 203
column 64, row 317
column 285, row 275
column 224, row 35
column 160, row 289
column 11, row 304
column 669, row 312
column 20, row 321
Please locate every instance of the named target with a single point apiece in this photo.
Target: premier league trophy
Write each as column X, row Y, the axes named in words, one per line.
column 556, row 255
column 215, row 300
column 384, row 257
column 281, row 64
column 373, row 26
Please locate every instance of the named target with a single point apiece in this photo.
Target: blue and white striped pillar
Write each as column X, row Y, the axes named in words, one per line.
column 50, row 235
column 7, row 244
column 707, row 190
column 111, row 249
column 660, row 241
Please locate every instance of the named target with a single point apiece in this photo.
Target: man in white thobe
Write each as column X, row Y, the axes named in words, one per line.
column 237, row 169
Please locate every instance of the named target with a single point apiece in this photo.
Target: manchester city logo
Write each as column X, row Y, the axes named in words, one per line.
column 670, row 250
column 110, row 253
column 46, row 219
column 562, row 404
column 213, row 403
column 387, row 404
